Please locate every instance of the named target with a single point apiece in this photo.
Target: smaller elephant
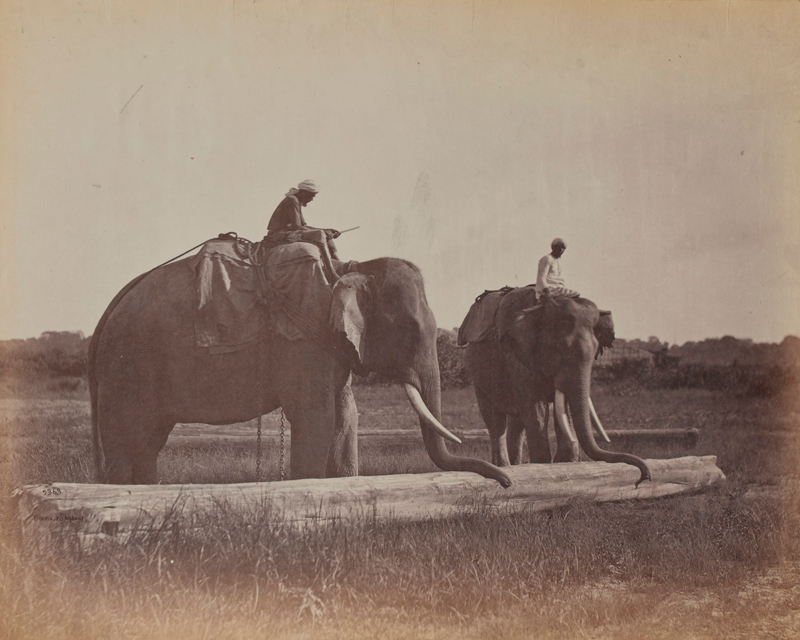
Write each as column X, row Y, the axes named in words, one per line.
column 523, row 354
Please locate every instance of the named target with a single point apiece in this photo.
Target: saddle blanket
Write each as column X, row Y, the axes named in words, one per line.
column 230, row 301
column 479, row 323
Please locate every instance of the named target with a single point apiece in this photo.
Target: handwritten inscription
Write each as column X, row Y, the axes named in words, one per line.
column 61, row 517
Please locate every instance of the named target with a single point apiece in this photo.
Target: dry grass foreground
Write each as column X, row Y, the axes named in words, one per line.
column 722, row 564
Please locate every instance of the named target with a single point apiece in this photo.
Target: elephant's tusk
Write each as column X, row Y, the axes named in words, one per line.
column 422, row 410
column 562, row 417
column 597, row 424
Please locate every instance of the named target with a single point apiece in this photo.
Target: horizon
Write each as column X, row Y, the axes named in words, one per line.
column 660, row 140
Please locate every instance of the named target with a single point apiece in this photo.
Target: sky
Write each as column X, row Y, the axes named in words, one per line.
column 661, row 140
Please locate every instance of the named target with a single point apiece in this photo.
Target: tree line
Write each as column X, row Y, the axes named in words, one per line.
column 57, row 361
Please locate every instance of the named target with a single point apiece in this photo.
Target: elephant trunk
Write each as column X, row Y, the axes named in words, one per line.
column 431, row 396
column 577, row 395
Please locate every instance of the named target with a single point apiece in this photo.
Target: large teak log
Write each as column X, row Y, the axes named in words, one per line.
column 95, row 511
column 242, row 432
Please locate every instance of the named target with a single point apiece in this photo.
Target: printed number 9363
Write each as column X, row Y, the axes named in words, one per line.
column 51, row 491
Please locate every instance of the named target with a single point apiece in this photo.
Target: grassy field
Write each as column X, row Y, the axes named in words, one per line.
column 721, row 564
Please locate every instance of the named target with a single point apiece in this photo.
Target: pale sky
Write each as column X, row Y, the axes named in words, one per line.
column 660, row 140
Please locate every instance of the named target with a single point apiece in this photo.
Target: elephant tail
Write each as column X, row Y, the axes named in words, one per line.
column 97, row 446
column 97, row 443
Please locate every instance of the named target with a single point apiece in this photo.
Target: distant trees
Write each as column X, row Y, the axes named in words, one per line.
column 57, row 360
column 451, row 360
column 53, row 362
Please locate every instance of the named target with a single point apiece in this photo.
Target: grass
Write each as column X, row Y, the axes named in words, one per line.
column 721, row 564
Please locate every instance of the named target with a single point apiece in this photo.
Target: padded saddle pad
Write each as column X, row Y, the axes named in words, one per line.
column 479, row 323
column 230, row 302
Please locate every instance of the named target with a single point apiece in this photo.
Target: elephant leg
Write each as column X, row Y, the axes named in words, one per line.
column 495, row 421
column 536, row 430
column 118, row 467
column 568, row 448
column 515, row 428
column 307, row 393
column 343, row 456
column 130, row 464
column 311, row 435
column 119, row 436
column 145, row 469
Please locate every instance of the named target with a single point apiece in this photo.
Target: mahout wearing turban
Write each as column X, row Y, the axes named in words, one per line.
column 305, row 185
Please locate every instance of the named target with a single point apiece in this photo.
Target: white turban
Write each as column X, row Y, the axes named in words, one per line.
column 305, row 185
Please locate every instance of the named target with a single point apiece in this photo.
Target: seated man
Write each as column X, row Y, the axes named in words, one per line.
column 548, row 279
column 288, row 215
column 287, row 223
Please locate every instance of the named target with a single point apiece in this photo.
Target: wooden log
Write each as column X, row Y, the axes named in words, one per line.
column 687, row 437
column 194, row 433
column 95, row 511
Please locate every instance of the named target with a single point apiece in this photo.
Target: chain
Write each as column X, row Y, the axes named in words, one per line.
column 283, row 445
column 260, row 392
column 258, row 451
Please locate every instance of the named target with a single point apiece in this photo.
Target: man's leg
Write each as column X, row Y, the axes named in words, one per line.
column 332, row 249
column 330, row 272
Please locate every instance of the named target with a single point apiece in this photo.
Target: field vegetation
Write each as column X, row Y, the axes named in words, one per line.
column 719, row 564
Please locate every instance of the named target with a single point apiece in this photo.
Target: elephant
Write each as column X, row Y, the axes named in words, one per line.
column 146, row 373
column 529, row 354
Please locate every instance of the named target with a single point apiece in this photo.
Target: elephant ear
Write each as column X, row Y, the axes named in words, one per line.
column 511, row 306
column 524, row 326
column 349, row 312
column 604, row 332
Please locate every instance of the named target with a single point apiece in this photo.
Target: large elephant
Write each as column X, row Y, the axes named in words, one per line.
column 146, row 373
column 527, row 355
